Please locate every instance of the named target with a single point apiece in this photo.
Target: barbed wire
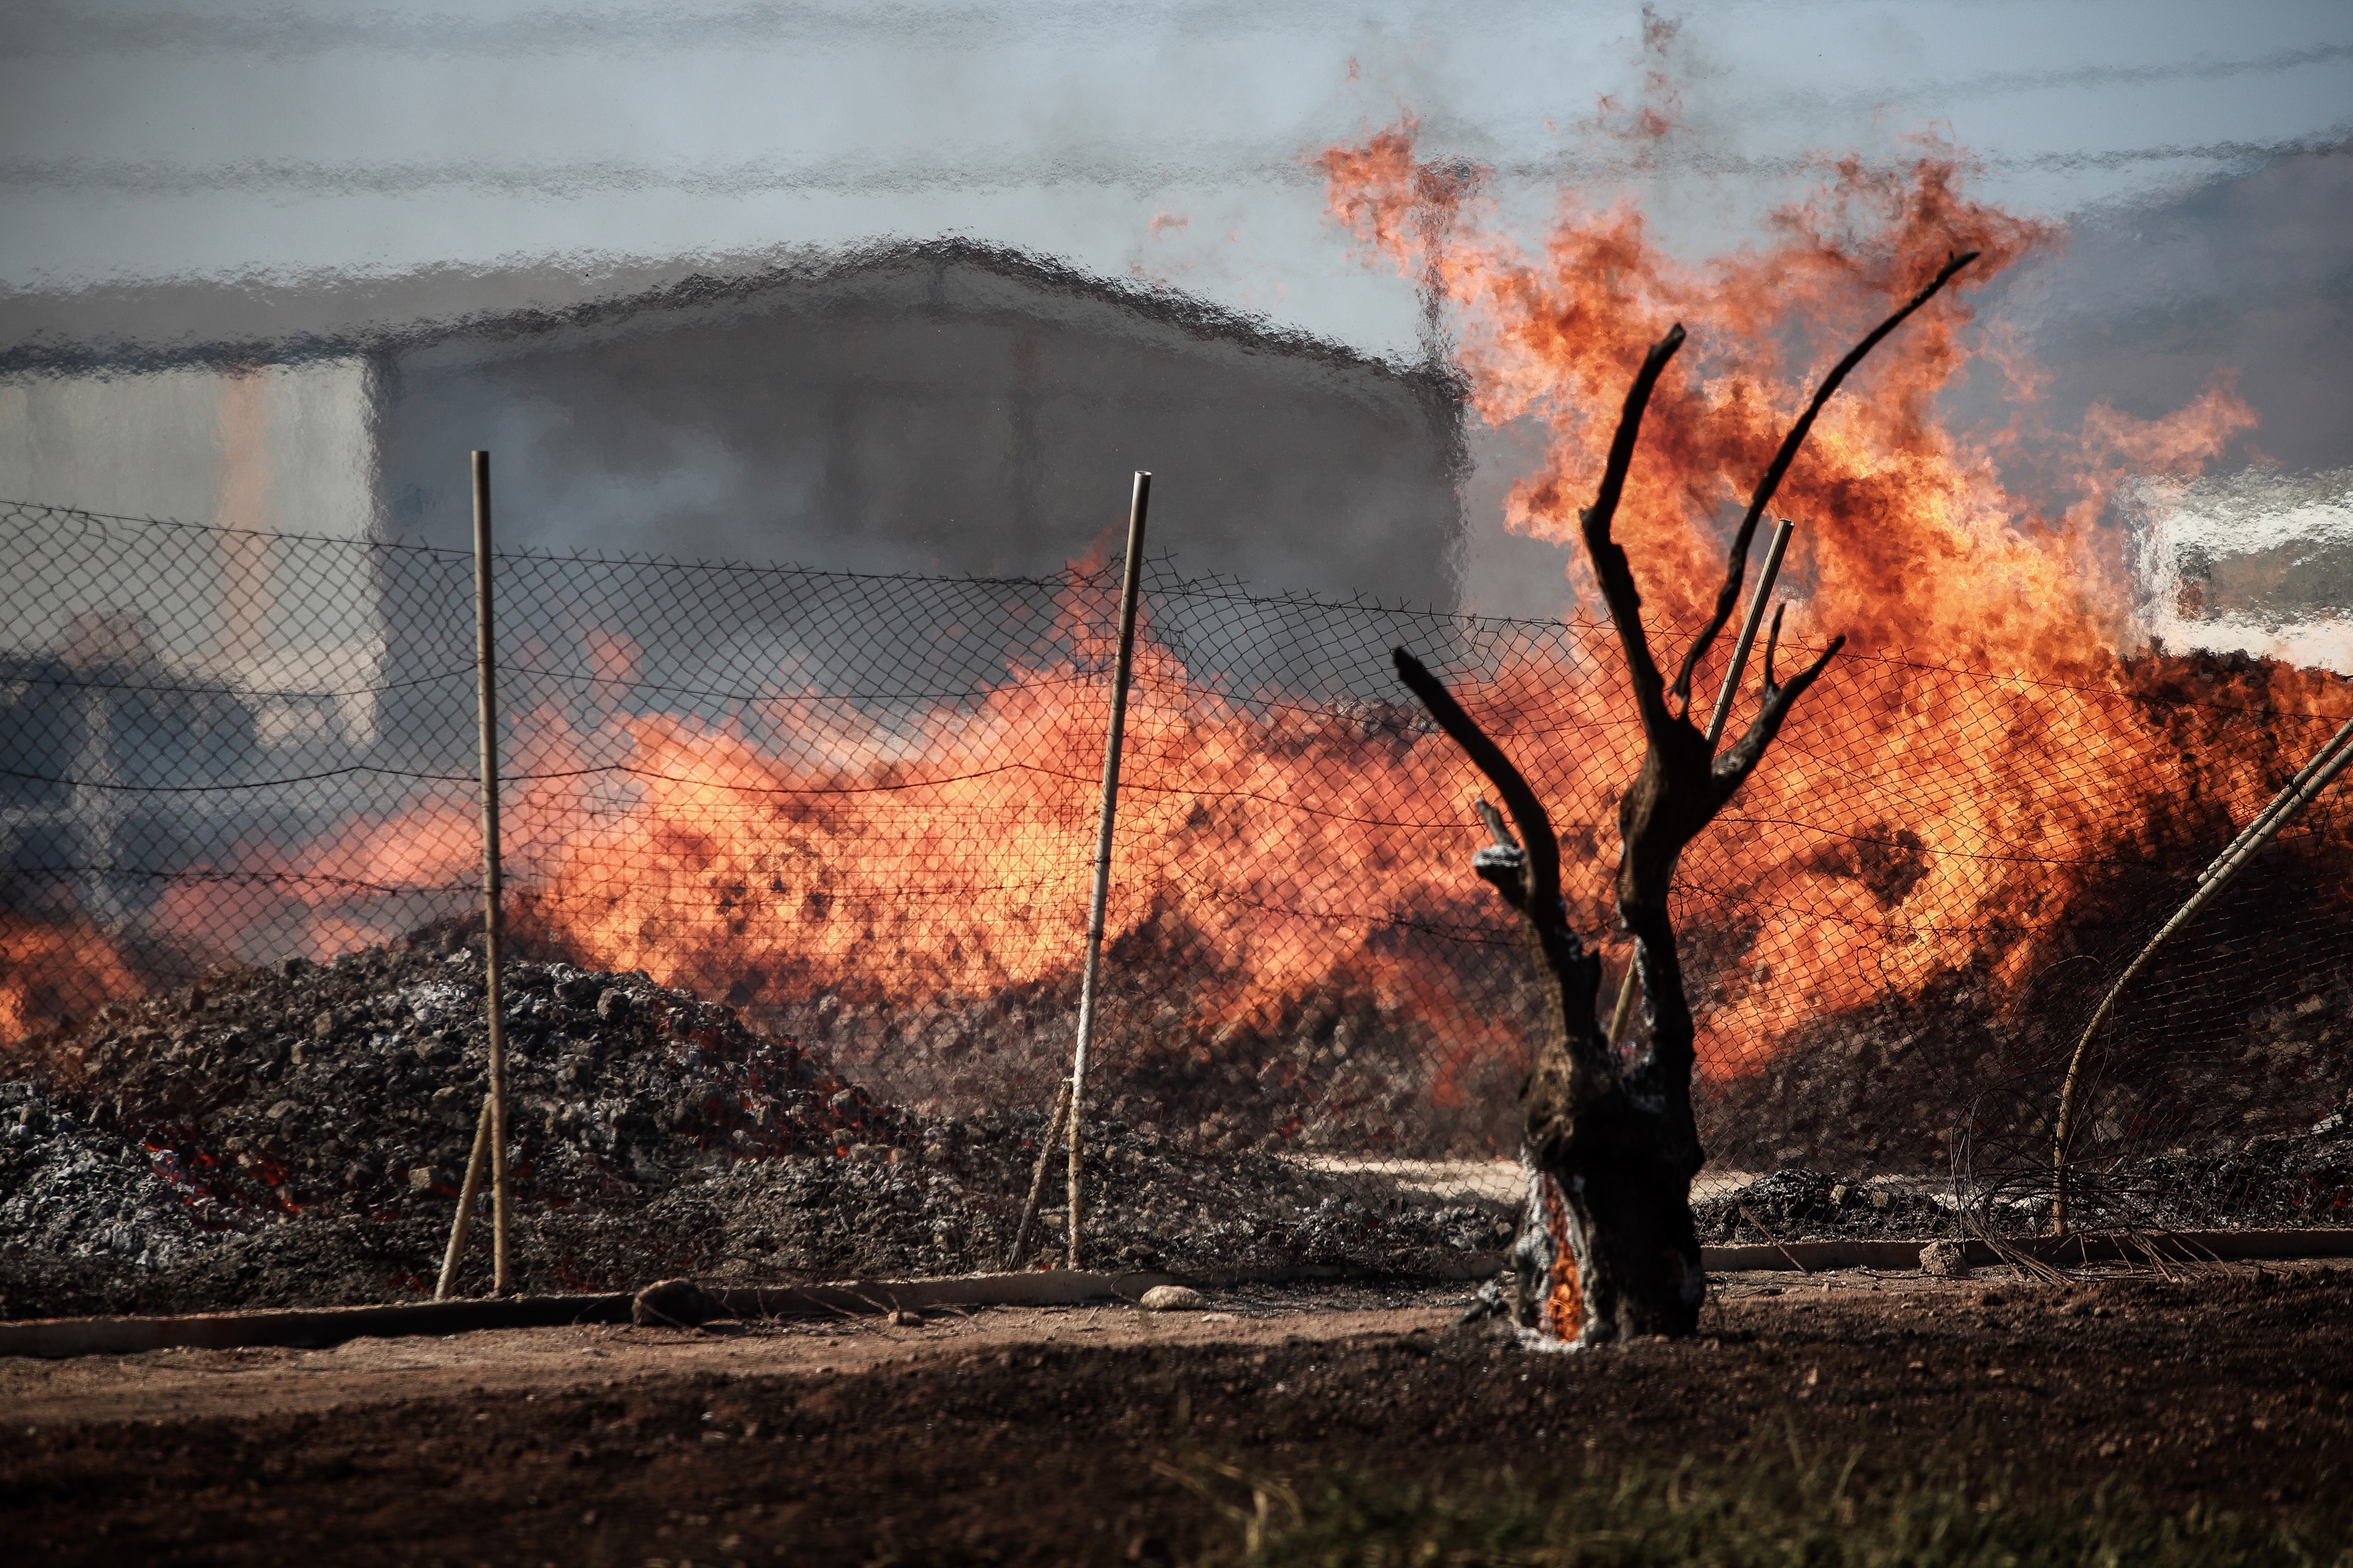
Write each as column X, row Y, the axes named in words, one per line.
column 858, row 806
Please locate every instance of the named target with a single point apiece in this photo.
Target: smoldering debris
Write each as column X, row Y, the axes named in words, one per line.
column 2282, row 1181
column 353, row 1088
column 1802, row 1205
column 71, row 1190
column 2275, row 1181
column 296, row 1135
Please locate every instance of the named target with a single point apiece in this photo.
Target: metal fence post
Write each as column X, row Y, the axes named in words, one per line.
column 1129, row 582
column 1782, row 529
column 2314, row 777
column 493, row 913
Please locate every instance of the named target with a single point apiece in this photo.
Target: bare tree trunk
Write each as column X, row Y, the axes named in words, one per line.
column 1607, row 1251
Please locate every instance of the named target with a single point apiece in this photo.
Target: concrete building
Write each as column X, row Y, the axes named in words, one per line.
column 940, row 408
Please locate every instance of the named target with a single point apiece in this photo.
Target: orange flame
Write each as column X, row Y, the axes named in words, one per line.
column 1909, row 538
column 50, row 971
column 1562, row 1316
column 1914, row 815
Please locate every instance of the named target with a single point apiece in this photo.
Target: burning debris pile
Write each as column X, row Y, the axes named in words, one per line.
column 298, row 1133
column 353, row 1088
column 70, row 1190
column 1892, row 936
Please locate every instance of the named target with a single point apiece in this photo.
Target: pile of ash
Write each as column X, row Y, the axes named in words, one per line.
column 1330, row 1067
column 353, row 1088
column 295, row 1134
column 2282, row 1181
column 1151, row 1205
column 73, row 1191
column 1799, row 1204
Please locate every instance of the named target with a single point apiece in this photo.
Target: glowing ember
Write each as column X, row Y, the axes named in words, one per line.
column 1562, row 1315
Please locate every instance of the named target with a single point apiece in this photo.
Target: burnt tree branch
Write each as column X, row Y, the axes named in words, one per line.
column 1528, row 876
column 1732, row 768
column 1607, row 1250
column 1540, row 888
column 1736, row 567
column 1609, row 564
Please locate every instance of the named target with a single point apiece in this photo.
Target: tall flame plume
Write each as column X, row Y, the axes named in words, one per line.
column 1992, row 738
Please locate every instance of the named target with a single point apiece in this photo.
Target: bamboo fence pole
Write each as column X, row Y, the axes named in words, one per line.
column 494, row 922
column 469, row 1195
column 1046, row 1147
column 1130, row 581
column 491, row 1130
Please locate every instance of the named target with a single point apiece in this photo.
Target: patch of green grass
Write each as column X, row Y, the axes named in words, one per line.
column 1777, row 1512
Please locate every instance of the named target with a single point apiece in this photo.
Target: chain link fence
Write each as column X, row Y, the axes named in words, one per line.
column 858, row 810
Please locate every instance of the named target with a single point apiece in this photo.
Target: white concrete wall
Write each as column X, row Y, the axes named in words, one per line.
column 278, row 450
column 185, row 444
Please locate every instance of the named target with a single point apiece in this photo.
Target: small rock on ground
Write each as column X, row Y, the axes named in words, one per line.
column 675, row 1304
column 1944, row 1260
column 1172, row 1299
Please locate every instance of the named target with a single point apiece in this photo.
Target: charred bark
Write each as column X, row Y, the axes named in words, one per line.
column 1607, row 1251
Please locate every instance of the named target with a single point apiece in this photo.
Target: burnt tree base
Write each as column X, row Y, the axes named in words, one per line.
column 1605, row 1255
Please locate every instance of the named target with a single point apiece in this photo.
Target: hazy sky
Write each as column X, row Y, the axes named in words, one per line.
column 144, row 142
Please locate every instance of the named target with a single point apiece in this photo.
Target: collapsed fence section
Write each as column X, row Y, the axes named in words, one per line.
column 860, row 810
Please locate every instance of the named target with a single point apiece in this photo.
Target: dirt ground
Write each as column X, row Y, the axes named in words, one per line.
column 1030, row 1436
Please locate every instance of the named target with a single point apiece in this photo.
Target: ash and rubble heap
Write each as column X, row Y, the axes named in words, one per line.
column 2282, row 1180
column 73, row 1191
column 295, row 1135
column 1798, row 1205
column 354, row 1087
column 2275, row 1179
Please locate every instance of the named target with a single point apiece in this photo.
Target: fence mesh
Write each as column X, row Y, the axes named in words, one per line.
column 860, row 810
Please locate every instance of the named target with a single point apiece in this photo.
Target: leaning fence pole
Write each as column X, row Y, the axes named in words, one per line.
column 2314, row 777
column 469, row 1193
column 2262, row 821
column 1129, row 582
column 1782, row 529
column 1046, row 1147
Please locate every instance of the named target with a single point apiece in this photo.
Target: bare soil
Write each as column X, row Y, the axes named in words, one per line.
column 1032, row 1436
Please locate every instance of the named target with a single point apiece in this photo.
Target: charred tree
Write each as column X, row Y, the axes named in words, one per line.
column 1607, row 1249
